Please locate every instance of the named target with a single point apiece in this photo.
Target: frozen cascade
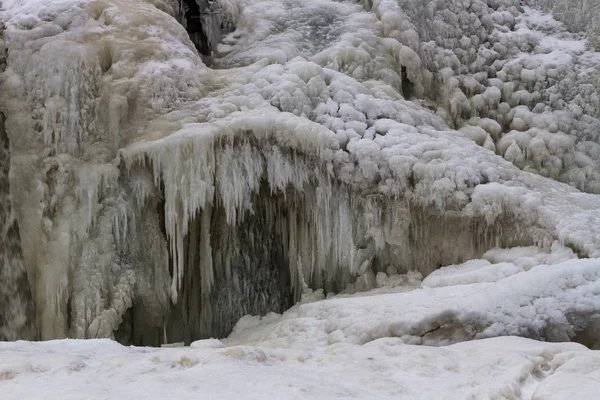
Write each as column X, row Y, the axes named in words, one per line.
column 329, row 143
column 16, row 320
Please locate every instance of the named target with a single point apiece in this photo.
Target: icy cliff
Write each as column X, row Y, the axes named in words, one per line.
column 168, row 182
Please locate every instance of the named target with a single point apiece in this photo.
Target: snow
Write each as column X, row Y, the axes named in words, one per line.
column 507, row 367
column 323, row 147
column 453, row 304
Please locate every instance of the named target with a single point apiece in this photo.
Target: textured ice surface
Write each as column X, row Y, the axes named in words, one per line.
column 330, row 142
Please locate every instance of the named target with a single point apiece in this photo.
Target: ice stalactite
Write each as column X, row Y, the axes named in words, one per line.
column 79, row 219
column 17, row 316
column 123, row 264
column 230, row 271
column 251, row 225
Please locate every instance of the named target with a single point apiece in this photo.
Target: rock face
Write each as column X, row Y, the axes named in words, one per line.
column 330, row 144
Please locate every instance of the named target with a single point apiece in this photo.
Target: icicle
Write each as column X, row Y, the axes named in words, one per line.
column 205, row 251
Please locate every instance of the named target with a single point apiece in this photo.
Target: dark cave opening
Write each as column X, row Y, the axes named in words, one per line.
column 193, row 25
column 203, row 21
column 249, row 275
column 408, row 90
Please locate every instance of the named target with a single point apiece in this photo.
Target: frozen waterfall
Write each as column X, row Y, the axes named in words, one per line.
column 178, row 164
column 16, row 320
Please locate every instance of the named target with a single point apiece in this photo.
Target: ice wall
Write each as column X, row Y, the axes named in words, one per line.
column 161, row 200
column 251, row 228
column 17, row 319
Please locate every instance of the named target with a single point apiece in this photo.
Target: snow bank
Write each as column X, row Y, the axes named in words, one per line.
column 458, row 303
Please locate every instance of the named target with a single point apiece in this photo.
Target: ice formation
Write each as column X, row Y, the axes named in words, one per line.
column 16, row 320
column 168, row 182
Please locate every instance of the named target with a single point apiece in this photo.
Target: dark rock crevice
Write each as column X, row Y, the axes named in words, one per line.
column 204, row 22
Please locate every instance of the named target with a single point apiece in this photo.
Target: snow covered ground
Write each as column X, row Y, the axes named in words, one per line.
column 497, row 368
column 435, row 164
column 364, row 136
